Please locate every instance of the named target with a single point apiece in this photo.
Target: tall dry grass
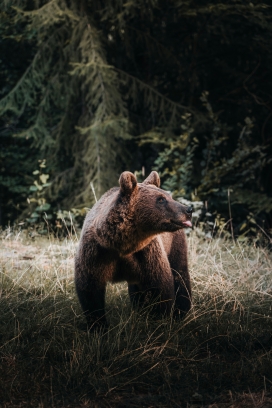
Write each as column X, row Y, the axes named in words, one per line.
column 219, row 354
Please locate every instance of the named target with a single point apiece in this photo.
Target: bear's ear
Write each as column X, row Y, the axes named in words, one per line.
column 128, row 183
column 153, row 178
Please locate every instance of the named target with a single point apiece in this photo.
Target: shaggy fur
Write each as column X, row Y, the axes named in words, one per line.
column 134, row 233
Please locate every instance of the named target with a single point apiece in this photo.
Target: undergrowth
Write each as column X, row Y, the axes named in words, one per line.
column 219, row 354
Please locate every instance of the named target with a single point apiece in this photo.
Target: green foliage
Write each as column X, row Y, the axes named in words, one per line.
column 97, row 79
column 42, row 217
column 15, row 163
column 175, row 162
column 41, row 210
column 202, row 170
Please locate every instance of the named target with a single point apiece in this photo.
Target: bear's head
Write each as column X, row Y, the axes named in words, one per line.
column 153, row 209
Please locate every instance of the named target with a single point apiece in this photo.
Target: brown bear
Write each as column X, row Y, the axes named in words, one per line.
column 134, row 233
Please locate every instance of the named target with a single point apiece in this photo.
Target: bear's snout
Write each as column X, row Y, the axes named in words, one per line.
column 181, row 216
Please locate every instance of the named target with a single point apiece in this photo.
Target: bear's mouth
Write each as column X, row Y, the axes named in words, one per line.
column 183, row 224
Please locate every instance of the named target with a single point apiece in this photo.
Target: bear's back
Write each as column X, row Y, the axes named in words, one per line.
column 98, row 213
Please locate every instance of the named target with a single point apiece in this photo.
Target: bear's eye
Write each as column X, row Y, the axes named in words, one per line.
column 161, row 200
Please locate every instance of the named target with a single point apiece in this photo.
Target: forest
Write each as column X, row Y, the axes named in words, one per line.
column 92, row 88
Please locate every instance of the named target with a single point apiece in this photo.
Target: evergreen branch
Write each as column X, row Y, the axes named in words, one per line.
column 223, row 8
column 49, row 14
column 30, row 79
column 154, row 91
column 158, row 44
column 7, row 103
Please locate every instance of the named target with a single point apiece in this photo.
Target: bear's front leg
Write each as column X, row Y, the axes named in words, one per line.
column 156, row 283
column 91, row 296
column 94, row 267
column 179, row 265
column 91, row 293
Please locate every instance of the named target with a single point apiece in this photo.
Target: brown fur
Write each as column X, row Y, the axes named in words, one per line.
column 134, row 233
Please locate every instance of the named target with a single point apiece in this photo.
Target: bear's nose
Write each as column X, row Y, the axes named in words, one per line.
column 189, row 209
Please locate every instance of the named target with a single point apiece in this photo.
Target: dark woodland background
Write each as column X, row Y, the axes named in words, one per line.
column 91, row 88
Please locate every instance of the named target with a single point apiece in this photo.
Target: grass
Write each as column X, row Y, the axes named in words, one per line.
column 220, row 355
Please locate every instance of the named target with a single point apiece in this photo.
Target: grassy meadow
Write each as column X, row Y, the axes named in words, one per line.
column 220, row 355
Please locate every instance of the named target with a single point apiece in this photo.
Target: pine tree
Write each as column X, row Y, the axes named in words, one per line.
column 77, row 117
column 75, row 101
